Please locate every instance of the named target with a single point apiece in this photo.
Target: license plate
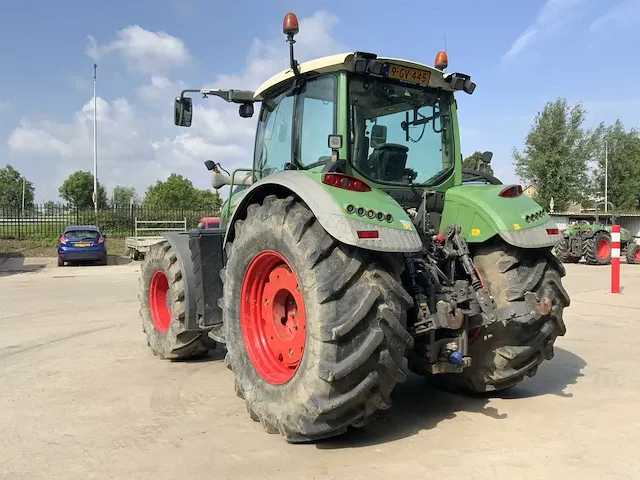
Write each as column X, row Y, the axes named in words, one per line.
column 398, row 72
column 82, row 244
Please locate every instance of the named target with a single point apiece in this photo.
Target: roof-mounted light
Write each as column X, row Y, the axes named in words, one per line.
column 441, row 62
column 290, row 25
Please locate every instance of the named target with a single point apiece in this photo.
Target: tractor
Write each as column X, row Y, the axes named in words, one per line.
column 351, row 246
column 593, row 241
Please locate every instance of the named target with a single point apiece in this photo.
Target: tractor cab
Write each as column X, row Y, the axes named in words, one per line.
column 388, row 122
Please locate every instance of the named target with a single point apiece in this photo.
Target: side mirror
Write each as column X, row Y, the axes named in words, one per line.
column 378, row 135
column 246, row 110
column 182, row 111
column 486, row 157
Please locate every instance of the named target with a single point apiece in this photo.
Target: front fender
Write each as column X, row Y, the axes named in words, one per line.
column 329, row 204
column 482, row 214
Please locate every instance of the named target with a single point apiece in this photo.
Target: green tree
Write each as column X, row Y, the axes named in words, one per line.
column 178, row 192
column 123, row 197
column 557, row 154
column 623, row 155
column 12, row 184
column 50, row 207
column 471, row 163
column 77, row 189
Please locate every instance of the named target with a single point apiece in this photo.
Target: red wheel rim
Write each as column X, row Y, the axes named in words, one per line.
column 603, row 248
column 272, row 317
column 158, row 289
column 636, row 255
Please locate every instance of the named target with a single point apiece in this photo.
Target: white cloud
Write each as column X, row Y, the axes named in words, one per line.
column 142, row 50
column 160, row 90
column 138, row 146
column 553, row 15
column 625, row 13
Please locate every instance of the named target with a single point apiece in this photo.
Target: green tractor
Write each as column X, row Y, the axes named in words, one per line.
column 593, row 241
column 351, row 245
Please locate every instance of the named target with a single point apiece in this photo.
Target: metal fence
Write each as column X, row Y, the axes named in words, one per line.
column 45, row 221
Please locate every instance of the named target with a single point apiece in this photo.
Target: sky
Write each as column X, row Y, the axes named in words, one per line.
column 521, row 55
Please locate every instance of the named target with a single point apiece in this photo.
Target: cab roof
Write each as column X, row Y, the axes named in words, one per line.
column 344, row 61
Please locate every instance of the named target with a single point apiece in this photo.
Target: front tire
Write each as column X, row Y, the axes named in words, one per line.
column 162, row 307
column 332, row 363
column 563, row 254
column 504, row 353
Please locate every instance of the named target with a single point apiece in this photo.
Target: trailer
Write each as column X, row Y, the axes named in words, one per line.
column 143, row 238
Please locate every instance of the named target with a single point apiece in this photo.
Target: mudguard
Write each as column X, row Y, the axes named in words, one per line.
column 179, row 241
column 483, row 213
column 329, row 205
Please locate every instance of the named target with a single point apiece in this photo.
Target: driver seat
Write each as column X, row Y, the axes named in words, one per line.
column 389, row 160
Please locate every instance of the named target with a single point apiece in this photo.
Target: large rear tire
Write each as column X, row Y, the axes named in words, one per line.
column 315, row 330
column 504, row 353
column 633, row 253
column 162, row 307
column 597, row 249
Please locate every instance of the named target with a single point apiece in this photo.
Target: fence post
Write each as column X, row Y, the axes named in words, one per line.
column 615, row 259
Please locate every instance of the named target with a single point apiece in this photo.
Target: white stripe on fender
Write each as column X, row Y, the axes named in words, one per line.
column 615, row 253
column 615, row 236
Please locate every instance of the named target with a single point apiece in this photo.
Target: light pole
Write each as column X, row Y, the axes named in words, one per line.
column 606, row 176
column 95, row 141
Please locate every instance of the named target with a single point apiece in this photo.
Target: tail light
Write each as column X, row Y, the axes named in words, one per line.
column 553, row 231
column 368, row 234
column 100, row 239
column 347, row 182
column 62, row 239
column 511, row 191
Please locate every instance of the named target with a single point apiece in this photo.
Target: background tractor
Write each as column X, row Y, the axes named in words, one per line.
column 593, row 241
column 351, row 244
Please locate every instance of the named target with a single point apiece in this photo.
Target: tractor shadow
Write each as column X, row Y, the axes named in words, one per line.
column 12, row 263
column 417, row 406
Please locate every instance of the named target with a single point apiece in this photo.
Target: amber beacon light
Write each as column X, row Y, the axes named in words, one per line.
column 290, row 25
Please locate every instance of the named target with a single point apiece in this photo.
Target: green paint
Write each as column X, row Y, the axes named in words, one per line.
column 479, row 207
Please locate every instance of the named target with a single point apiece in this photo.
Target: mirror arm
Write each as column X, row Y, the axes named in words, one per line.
column 231, row 96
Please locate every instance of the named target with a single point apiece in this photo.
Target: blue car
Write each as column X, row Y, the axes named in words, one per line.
column 81, row 243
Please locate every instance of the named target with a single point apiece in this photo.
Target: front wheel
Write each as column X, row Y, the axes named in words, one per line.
column 315, row 330
column 564, row 254
column 503, row 353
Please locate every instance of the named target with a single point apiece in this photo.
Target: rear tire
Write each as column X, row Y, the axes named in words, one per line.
column 352, row 333
column 633, row 253
column 60, row 262
column 597, row 249
column 562, row 252
column 162, row 307
column 503, row 354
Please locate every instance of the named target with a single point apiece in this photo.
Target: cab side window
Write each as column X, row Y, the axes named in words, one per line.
column 273, row 140
column 316, row 110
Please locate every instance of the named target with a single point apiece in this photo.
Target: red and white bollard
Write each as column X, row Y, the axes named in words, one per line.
column 615, row 258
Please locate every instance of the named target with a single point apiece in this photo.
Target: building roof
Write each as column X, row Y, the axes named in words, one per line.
column 344, row 61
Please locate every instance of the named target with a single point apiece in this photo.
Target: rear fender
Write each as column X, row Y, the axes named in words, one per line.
column 328, row 205
column 483, row 214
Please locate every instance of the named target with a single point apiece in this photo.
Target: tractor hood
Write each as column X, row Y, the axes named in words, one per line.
column 486, row 210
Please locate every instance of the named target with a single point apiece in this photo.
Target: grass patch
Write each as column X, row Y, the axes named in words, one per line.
column 44, row 247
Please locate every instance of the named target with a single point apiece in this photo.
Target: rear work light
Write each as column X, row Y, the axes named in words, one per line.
column 347, row 182
column 511, row 191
